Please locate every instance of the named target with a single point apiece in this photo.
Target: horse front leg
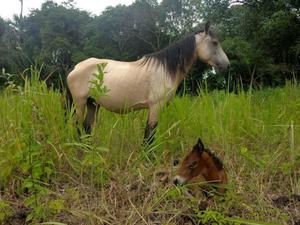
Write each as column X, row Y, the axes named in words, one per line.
column 80, row 108
column 151, row 124
column 91, row 115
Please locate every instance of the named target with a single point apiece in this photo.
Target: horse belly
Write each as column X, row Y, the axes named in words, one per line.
column 126, row 91
column 120, row 105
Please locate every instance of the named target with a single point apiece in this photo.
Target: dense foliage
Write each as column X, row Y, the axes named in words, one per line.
column 48, row 175
column 261, row 38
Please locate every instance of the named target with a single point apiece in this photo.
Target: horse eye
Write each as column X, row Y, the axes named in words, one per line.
column 215, row 43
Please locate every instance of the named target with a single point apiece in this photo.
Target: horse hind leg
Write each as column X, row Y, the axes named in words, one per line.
column 91, row 115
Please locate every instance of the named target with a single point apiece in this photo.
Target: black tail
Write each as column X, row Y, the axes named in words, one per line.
column 69, row 99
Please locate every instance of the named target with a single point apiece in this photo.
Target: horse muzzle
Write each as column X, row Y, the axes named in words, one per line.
column 222, row 68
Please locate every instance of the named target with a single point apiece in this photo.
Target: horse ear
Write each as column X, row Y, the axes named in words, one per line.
column 207, row 25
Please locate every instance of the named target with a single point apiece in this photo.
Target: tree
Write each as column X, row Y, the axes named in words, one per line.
column 181, row 16
column 261, row 37
column 55, row 36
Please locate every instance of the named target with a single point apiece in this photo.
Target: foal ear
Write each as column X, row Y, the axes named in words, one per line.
column 207, row 25
column 200, row 144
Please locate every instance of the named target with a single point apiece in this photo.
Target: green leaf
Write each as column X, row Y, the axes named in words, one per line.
column 97, row 88
column 248, row 222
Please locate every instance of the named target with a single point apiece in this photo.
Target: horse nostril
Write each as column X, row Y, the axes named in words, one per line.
column 175, row 181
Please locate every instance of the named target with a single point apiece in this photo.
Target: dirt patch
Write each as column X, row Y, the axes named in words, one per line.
column 18, row 216
column 290, row 204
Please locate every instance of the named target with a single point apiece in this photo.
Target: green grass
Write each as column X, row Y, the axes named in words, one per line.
column 52, row 176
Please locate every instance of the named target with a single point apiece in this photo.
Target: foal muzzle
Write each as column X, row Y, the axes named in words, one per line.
column 178, row 180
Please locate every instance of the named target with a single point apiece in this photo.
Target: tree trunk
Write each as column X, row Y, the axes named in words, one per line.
column 21, row 13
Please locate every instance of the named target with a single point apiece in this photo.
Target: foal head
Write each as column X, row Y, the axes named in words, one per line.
column 201, row 161
column 209, row 49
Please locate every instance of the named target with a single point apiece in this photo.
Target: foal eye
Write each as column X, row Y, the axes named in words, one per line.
column 176, row 162
column 193, row 165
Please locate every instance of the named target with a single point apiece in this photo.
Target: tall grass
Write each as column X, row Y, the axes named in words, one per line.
column 110, row 178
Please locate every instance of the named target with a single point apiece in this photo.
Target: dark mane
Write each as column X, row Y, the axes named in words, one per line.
column 177, row 56
column 216, row 160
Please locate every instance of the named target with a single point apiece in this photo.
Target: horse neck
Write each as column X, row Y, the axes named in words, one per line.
column 211, row 173
column 181, row 75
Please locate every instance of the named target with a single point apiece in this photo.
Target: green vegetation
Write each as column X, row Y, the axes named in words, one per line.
column 98, row 88
column 260, row 37
column 51, row 176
